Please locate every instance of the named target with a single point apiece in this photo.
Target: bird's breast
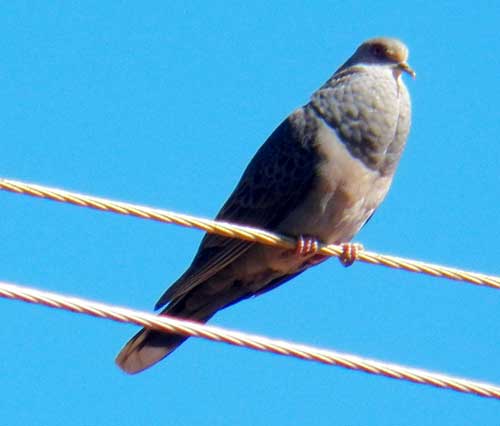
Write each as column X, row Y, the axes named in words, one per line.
column 364, row 108
column 344, row 195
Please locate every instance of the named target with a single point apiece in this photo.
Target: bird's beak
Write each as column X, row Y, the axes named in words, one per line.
column 407, row 69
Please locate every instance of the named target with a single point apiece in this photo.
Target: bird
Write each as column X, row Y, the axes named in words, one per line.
column 319, row 176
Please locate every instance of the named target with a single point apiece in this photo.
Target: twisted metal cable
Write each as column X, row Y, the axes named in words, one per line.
column 279, row 347
column 244, row 232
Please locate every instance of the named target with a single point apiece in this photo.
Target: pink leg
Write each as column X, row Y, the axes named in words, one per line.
column 350, row 253
column 306, row 246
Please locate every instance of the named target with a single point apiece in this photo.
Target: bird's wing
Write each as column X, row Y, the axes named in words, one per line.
column 274, row 183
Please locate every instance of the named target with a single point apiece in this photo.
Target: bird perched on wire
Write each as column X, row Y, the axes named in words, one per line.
column 319, row 177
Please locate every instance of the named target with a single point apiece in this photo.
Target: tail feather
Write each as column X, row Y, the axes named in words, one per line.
column 145, row 349
column 148, row 347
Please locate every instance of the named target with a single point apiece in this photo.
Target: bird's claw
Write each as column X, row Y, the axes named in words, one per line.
column 350, row 253
column 306, row 246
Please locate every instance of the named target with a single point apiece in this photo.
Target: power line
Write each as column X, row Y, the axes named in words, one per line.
column 346, row 252
column 280, row 347
column 244, row 232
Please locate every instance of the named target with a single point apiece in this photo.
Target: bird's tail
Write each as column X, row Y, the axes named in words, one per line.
column 146, row 348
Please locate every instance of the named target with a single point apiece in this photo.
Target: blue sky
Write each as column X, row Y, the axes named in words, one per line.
column 164, row 104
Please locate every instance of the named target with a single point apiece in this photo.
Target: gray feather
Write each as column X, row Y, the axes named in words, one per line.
column 321, row 173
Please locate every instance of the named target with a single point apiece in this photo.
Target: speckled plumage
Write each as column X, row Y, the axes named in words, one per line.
column 321, row 173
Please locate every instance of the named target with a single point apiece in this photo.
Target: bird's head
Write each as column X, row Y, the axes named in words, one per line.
column 382, row 51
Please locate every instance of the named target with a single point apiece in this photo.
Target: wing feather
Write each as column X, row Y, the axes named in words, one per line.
column 274, row 183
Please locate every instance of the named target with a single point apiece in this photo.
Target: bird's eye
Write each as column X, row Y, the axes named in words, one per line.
column 378, row 51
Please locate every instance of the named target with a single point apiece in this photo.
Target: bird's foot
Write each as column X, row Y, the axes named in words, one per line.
column 306, row 246
column 350, row 253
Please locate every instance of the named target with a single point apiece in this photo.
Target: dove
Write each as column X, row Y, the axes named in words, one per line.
column 319, row 177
